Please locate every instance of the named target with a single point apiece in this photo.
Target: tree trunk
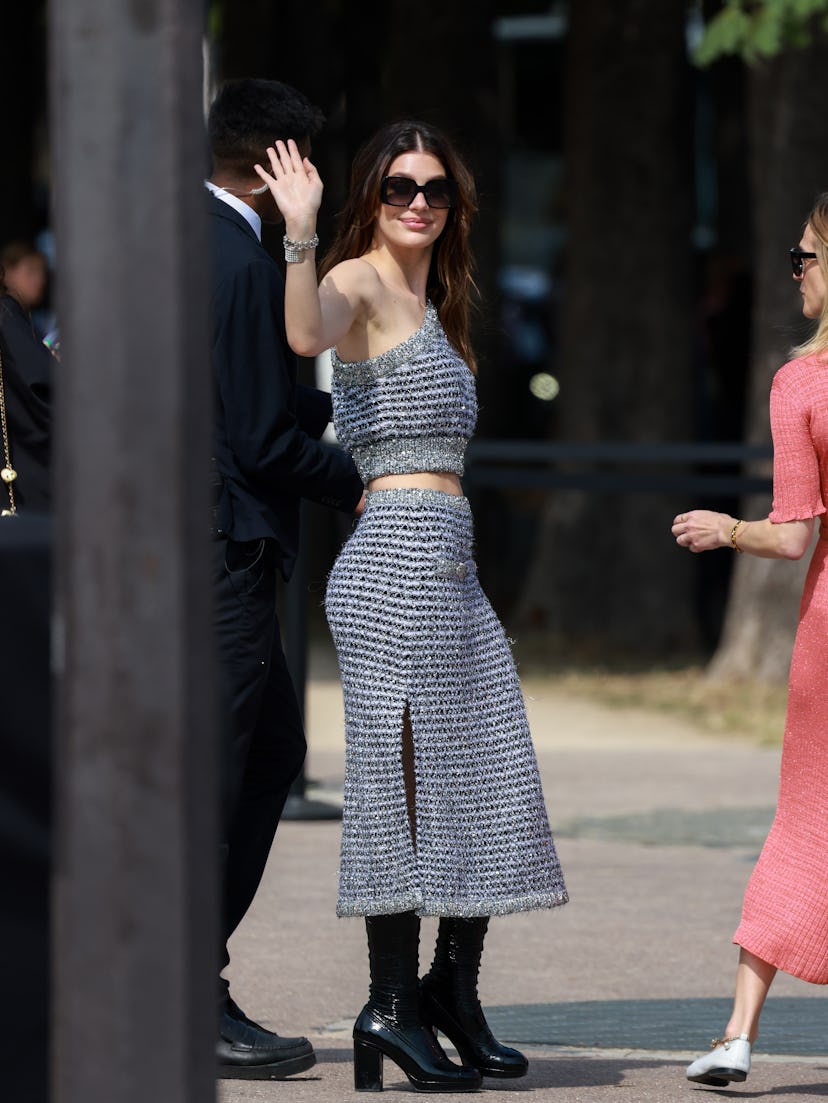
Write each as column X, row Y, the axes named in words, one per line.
column 606, row 576
column 789, row 166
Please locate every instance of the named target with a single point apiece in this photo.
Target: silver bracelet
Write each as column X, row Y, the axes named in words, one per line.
column 295, row 250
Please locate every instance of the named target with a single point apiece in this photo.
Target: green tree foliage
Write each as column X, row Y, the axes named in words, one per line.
column 755, row 29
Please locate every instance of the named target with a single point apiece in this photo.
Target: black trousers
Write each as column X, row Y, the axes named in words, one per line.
column 25, row 806
column 263, row 742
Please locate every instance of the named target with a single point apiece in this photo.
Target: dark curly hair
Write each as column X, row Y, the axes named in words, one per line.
column 450, row 281
column 250, row 114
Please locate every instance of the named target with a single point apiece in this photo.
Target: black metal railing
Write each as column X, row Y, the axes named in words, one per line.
column 687, row 467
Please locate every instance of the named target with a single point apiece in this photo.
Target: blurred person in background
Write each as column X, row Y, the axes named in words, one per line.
column 25, row 779
column 27, row 391
column 785, row 913
column 27, row 279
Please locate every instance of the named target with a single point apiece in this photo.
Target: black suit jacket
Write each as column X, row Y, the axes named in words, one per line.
column 27, row 377
column 266, row 426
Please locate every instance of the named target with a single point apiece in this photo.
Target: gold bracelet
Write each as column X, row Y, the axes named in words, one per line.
column 733, row 532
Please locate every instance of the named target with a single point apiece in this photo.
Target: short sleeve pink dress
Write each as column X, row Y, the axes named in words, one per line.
column 785, row 912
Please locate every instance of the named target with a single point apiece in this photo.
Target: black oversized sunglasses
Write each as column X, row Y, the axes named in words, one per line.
column 399, row 191
column 798, row 258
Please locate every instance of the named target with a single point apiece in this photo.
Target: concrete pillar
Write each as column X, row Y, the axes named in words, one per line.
column 135, row 846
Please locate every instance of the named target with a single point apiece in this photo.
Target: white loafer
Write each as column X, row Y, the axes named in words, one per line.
column 728, row 1060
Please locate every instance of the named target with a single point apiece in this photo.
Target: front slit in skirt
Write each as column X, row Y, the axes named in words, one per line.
column 416, row 636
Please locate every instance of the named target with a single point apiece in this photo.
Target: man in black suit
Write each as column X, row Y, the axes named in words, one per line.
column 267, row 456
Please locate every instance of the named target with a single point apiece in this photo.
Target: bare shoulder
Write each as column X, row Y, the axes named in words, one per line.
column 356, row 279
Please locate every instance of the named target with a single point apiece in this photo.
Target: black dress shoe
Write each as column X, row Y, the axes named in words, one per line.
column 245, row 1050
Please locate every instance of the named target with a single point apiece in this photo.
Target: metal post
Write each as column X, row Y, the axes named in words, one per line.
column 135, row 886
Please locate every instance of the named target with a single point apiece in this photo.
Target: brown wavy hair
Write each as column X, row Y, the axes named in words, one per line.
column 818, row 221
column 450, row 282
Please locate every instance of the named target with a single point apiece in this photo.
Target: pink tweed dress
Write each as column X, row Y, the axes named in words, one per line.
column 785, row 912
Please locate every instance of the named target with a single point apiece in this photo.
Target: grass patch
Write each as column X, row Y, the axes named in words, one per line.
column 754, row 710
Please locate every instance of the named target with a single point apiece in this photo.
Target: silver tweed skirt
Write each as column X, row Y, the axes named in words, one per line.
column 416, row 637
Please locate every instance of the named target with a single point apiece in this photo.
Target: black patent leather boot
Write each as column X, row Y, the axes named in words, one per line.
column 390, row 1025
column 449, row 1000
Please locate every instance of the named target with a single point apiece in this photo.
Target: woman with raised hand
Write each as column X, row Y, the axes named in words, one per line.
column 785, row 914
column 444, row 814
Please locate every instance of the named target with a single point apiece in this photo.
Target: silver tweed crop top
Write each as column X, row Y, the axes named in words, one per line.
column 412, row 408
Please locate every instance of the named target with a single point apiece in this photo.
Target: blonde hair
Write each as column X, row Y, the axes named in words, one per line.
column 818, row 222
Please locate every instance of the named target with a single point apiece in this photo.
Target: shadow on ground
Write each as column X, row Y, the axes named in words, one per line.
column 544, row 1072
column 790, row 1026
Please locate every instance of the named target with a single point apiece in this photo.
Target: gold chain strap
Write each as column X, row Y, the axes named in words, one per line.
column 8, row 473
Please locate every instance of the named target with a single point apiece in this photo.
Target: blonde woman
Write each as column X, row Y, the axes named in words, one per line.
column 785, row 914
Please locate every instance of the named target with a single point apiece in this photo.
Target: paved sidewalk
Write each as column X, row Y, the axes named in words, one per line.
column 657, row 827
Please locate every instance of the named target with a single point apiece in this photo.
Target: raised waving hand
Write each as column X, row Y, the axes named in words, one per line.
column 295, row 185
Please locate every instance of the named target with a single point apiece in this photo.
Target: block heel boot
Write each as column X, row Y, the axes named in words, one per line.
column 390, row 1025
column 449, row 1001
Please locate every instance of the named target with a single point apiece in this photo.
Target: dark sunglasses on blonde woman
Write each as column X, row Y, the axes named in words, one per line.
column 798, row 258
column 400, row 191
